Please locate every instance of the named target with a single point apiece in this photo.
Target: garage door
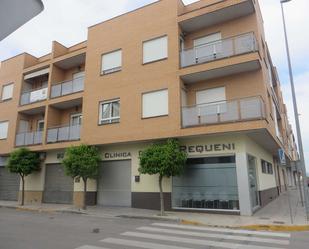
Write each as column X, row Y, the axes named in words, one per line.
column 114, row 183
column 9, row 185
column 58, row 187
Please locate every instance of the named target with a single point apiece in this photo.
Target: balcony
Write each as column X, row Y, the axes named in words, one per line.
column 203, row 14
column 238, row 110
column 29, row 138
column 63, row 134
column 67, row 87
column 33, row 96
column 237, row 45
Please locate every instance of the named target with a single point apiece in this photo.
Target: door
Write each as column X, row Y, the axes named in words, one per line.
column 76, row 119
column 23, row 126
column 58, row 187
column 9, row 185
column 40, row 125
column 208, row 47
column 253, row 182
column 78, row 81
column 114, row 183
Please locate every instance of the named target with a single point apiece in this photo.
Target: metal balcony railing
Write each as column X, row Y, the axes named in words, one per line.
column 63, row 133
column 33, row 96
column 220, row 49
column 67, row 87
column 29, row 138
column 252, row 108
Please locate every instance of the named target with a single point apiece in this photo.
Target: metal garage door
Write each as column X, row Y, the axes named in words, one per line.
column 58, row 186
column 114, row 183
column 9, row 185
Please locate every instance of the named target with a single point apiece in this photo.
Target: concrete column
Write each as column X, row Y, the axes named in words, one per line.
column 243, row 184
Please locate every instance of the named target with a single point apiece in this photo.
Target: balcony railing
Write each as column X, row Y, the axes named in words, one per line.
column 33, row 96
column 67, row 87
column 237, row 45
column 29, row 138
column 223, row 112
column 63, row 133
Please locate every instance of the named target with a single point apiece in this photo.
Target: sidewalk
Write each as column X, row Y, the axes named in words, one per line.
column 275, row 213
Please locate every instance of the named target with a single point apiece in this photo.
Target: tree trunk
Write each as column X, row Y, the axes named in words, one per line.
column 85, row 194
column 22, row 190
column 161, row 196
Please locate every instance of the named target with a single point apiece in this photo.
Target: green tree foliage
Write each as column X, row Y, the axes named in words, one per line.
column 82, row 161
column 23, row 162
column 164, row 159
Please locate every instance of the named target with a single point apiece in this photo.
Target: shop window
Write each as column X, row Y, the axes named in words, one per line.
column 207, row 183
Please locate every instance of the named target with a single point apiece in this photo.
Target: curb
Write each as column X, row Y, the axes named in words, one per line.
column 162, row 218
column 275, row 228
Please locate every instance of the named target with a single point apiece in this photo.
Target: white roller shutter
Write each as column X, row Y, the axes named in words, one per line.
column 155, row 104
column 155, row 49
column 7, row 92
column 111, row 61
column 207, row 39
column 4, row 126
column 210, row 95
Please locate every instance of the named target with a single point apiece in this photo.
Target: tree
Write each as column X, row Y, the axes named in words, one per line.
column 23, row 162
column 165, row 159
column 82, row 161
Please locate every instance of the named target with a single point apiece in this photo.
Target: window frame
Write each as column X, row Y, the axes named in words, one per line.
column 269, row 169
column 152, row 39
column 7, row 131
column 154, row 91
column 112, row 70
column 2, row 90
column 112, row 120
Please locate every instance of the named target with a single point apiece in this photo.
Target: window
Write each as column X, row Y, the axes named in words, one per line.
column 110, row 112
column 155, row 49
column 267, row 168
column 7, row 92
column 4, row 126
column 111, row 62
column 155, row 103
column 76, row 119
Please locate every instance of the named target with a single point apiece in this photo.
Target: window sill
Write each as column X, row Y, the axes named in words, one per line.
column 113, row 123
column 111, row 71
column 150, row 62
column 159, row 116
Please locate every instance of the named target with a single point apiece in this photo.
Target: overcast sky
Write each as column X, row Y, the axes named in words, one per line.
column 67, row 20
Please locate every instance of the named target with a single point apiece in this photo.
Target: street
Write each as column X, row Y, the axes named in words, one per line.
column 34, row 230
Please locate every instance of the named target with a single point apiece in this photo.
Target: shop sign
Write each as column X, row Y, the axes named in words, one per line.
column 282, row 157
column 117, row 155
column 208, row 148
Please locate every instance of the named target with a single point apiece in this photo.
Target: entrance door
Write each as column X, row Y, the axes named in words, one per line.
column 114, row 183
column 253, row 182
column 58, row 186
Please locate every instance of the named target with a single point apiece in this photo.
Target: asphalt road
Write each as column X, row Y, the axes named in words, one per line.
column 33, row 230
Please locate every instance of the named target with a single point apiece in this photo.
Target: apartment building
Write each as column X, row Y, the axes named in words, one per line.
column 201, row 73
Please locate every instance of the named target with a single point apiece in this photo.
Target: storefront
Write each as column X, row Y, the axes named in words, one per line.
column 208, row 183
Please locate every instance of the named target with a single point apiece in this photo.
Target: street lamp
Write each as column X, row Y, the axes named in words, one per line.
column 301, row 162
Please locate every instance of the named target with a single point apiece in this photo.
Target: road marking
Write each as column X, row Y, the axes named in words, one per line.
column 224, row 230
column 218, row 236
column 195, row 241
column 140, row 244
column 91, row 247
